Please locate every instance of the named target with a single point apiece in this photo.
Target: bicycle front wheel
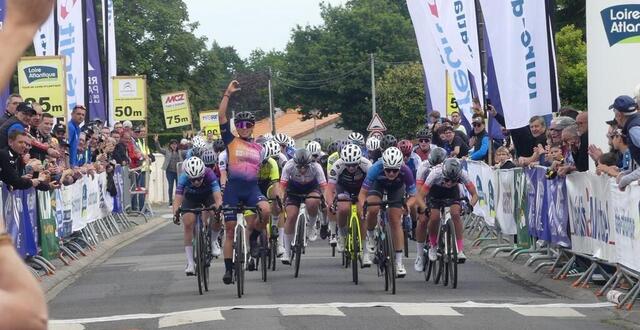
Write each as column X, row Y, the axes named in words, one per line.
column 239, row 260
column 199, row 257
column 300, row 233
column 390, row 259
column 355, row 254
column 206, row 252
column 453, row 256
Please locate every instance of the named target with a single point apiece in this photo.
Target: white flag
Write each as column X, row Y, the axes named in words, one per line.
column 110, row 48
column 44, row 42
column 71, row 46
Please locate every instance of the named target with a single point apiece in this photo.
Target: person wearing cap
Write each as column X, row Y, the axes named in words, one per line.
column 11, row 107
column 171, row 159
column 60, row 131
column 19, row 122
column 77, row 118
column 479, row 141
column 625, row 110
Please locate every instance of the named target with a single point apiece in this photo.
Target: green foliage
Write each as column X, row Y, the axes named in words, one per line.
column 401, row 98
column 572, row 67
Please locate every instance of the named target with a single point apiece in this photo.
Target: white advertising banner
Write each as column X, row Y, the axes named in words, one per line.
column 71, row 46
column 506, row 202
column 613, row 51
column 517, row 34
column 109, row 26
column 625, row 214
column 89, row 199
column 44, row 42
column 486, row 181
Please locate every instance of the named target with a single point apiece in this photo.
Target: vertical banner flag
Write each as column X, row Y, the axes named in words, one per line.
column 130, row 98
column 434, row 69
column 96, row 103
column 209, row 123
column 44, row 42
column 4, row 92
column 177, row 111
column 71, row 47
column 42, row 80
column 612, row 56
column 517, row 34
column 109, row 28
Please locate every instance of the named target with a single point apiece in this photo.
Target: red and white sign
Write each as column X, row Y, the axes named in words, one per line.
column 376, row 124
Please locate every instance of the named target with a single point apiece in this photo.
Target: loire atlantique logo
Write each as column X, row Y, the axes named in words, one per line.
column 622, row 23
column 40, row 73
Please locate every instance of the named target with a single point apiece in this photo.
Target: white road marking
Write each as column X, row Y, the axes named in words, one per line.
column 189, row 318
column 425, row 310
column 65, row 326
column 547, row 312
column 301, row 311
column 468, row 304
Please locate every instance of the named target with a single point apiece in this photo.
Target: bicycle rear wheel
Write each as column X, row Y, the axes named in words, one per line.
column 383, row 257
column 239, row 260
column 355, row 255
column 264, row 254
column 300, row 232
column 446, row 257
column 428, row 268
column 207, row 258
column 453, row 256
column 199, row 257
column 273, row 255
column 391, row 258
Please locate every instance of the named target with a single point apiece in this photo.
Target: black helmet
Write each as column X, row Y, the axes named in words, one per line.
column 302, row 157
column 318, row 139
column 451, row 169
column 437, row 156
column 219, row 146
column 245, row 116
column 424, row 133
column 388, row 141
column 332, row 148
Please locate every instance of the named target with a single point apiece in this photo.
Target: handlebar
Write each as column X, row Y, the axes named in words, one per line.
column 384, row 204
column 305, row 196
column 239, row 208
column 197, row 210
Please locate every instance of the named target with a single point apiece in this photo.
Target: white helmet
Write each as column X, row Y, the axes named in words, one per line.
column 392, row 158
column 351, row 154
column 271, row 149
column 197, row 138
column 268, row 136
column 314, row 148
column 291, row 142
column 193, row 167
column 356, row 137
column 281, row 138
column 373, row 143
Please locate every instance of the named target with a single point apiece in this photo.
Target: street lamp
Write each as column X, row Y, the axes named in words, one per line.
column 316, row 114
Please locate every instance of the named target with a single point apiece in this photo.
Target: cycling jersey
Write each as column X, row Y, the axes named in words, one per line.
column 333, row 158
column 290, row 152
column 244, row 156
column 282, row 160
column 440, row 188
column 351, row 182
column 209, row 185
column 413, row 162
column 423, row 172
column 424, row 155
column 376, row 176
column 222, row 160
column 375, row 155
column 298, row 182
column 268, row 173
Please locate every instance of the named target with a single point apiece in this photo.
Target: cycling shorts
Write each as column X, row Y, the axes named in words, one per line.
column 296, row 200
column 346, row 194
column 395, row 193
column 191, row 201
column 438, row 195
column 237, row 191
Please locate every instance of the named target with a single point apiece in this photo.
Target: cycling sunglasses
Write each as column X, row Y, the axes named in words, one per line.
column 391, row 170
column 244, row 124
column 424, row 140
column 351, row 165
column 300, row 167
column 477, row 124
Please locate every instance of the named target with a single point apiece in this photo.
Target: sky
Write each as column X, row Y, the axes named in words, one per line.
column 250, row 24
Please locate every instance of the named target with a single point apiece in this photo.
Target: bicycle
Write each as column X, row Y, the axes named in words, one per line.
column 353, row 248
column 272, row 229
column 447, row 248
column 300, row 239
column 239, row 244
column 201, row 246
column 385, row 252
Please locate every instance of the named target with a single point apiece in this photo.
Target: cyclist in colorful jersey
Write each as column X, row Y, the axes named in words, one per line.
column 345, row 180
column 333, row 158
column 424, row 146
column 197, row 187
column 283, row 141
column 393, row 177
column 210, row 160
column 388, row 141
column 315, row 149
column 268, row 178
column 198, row 147
column 358, row 139
column 300, row 176
column 373, row 145
column 436, row 157
column 443, row 183
column 244, row 159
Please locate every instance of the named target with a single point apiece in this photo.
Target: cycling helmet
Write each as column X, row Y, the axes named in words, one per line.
column 332, row 148
column 351, row 154
column 392, row 158
column 193, row 167
column 281, row 138
column 319, row 140
column 437, row 156
column 406, row 147
column 373, row 143
column 314, row 148
column 267, row 136
column 451, row 169
column 291, row 142
column 356, row 138
column 302, row 157
column 388, row 141
column 272, row 149
column 209, row 157
column 199, row 143
column 219, row 146
column 245, row 116
column 197, row 139
column 424, row 133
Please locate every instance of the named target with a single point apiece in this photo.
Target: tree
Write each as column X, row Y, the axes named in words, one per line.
column 572, row 67
column 402, row 100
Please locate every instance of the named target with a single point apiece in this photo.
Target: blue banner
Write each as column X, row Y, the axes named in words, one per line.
column 96, row 102
column 4, row 93
column 558, row 212
column 20, row 216
column 493, row 94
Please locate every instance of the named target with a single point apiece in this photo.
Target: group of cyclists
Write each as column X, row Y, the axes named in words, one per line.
column 270, row 174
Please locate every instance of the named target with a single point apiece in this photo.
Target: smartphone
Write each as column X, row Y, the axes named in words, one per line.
column 28, row 169
column 488, row 101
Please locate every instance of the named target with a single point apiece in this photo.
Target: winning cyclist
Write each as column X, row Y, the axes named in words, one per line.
column 443, row 183
column 393, row 177
column 244, row 159
column 197, row 186
column 300, row 176
column 345, row 180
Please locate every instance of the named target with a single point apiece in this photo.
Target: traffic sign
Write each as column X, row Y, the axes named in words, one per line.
column 376, row 124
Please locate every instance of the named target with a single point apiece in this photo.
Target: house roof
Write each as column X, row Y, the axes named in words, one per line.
column 291, row 123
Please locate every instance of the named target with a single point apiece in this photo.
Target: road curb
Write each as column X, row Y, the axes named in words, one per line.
column 66, row 275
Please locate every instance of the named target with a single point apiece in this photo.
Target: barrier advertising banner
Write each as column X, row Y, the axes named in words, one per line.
column 486, row 182
column 612, row 54
column 130, row 98
column 71, row 47
column 558, row 212
column 521, row 208
column 49, row 243
column 518, row 36
column 209, row 123
column 177, row 111
column 536, row 202
column 42, row 80
column 624, row 217
column 505, row 213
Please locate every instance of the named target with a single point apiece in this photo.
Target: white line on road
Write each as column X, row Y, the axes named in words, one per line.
column 468, row 304
column 302, row 311
column 547, row 312
column 425, row 310
column 189, row 318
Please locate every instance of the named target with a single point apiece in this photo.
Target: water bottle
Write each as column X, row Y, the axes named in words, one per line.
column 615, row 296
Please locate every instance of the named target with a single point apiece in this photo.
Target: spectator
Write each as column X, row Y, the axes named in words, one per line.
column 503, row 159
column 626, row 115
column 556, row 158
column 576, row 160
column 455, row 121
column 476, row 107
column 453, row 144
column 12, row 165
column 60, row 132
column 41, row 135
column 170, row 166
column 479, row 141
column 20, row 121
column 77, row 118
column 607, row 164
column 121, row 153
column 117, row 127
column 526, row 138
column 568, row 112
column 10, row 107
column 434, row 117
column 558, row 124
column 83, row 153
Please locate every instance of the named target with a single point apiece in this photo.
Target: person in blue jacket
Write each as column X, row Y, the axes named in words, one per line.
column 479, row 141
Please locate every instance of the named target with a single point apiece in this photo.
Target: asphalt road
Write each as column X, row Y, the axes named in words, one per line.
column 143, row 286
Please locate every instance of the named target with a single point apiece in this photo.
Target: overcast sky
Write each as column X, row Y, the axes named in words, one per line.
column 250, row 24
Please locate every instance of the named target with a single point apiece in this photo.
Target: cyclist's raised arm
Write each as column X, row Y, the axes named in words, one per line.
column 233, row 87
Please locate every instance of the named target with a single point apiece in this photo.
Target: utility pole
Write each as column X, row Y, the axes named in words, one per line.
column 271, row 114
column 373, row 86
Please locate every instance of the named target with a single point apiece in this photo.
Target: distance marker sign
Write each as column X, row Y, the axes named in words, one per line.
column 42, row 80
column 176, row 109
column 130, row 98
column 209, row 123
